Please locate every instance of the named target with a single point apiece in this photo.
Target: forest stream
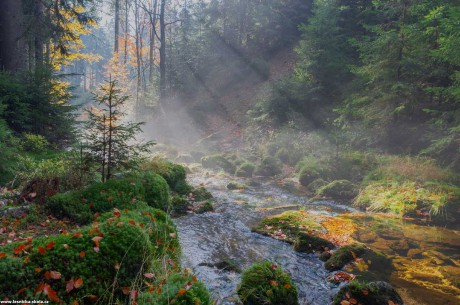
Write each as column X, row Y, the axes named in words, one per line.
column 426, row 259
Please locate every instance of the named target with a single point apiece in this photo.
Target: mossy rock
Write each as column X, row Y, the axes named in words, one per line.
column 204, row 207
column 338, row 189
column 316, row 184
column 156, row 190
column 180, row 288
column 307, row 243
column 268, row 167
column 179, row 205
column 283, row 155
column 175, row 175
column 344, row 255
column 369, row 264
column 106, row 256
column 127, row 193
column 266, row 283
column 197, row 155
column 218, row 161
column 245, row 170
column 235, row 186
column 307, row 176
column 226, row 264
column 201, row 194
column 374, row 293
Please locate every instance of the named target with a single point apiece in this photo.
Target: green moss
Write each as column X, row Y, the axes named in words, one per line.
column 233, row 185
column 128, row 193
column 344, row 255
column 179, row 205
column 201, row 194
column 183, row 289
column 205, row 207
column 218, row 161
column 309, row 243
column 132, row 243
column 268, row 167
column 338, row 189
column 245, row 170
column 266, row 283
column 316, row 185
column 290, row 223
column 375, row 293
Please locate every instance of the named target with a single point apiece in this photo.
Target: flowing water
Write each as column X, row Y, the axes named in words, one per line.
column 225, row 235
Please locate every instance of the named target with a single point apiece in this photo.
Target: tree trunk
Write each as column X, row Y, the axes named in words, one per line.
column 153, row 21
column 125, row 59
column 162, row 52
column 117, row 25
column 38, row 39
column 12, row 44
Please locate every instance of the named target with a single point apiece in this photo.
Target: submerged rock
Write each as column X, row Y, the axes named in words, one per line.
column 236, row 186
column 374, row 293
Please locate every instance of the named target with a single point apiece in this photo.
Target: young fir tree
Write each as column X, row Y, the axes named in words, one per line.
column 110, row 141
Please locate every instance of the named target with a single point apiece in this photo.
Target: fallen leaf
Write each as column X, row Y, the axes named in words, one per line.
column 132, row 222
column 149, row 275
column 82, row 254
column 55, row 275
column 78, row 282
column 41, row 250
column 50, row 245
column 69, row 286
column 66, row 246
column 181, row 292
column 2, row 255
column 96, row 240
column 117, row 212
column 21, row 290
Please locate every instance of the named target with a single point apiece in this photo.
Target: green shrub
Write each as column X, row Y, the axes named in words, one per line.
column 375, row 293
column 268, row 167
column 34, row 143
column 130, row 244
column 179, row 288
column 266, row 283
column 245, row 170
column 338, row 189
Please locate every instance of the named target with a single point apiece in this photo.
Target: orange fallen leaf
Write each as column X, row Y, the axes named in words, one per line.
column 41, row 250
column 82, row 254
column 181, row 292
column 2, row 255
column 77, row 235
column 96, row 240
column 50, row 245
column 21, row 290
column 132, row 222
column 117, row 212
column 78, row 282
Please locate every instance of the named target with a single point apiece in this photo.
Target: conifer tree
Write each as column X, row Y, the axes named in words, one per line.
column 110, row 140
